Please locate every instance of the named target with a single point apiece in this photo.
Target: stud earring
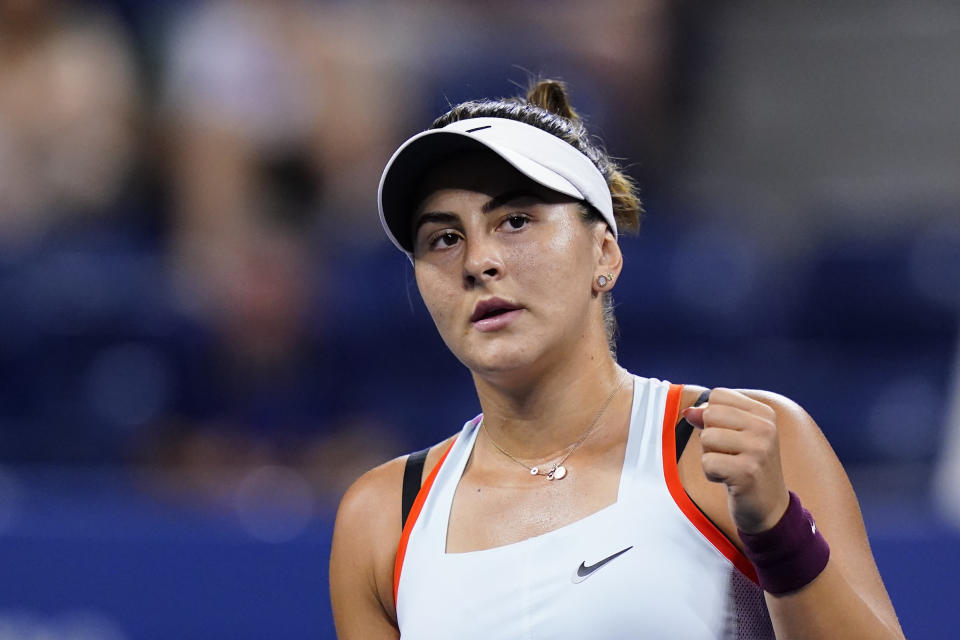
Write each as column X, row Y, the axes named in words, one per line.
column 602, row 280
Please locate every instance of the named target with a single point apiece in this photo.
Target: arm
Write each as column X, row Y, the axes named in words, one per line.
column 753, row 446
column 365, row 539
column 364, row 545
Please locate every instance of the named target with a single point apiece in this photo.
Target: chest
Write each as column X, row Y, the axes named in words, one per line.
column 491, row 510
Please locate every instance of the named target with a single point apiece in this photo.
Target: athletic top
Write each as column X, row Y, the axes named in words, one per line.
column 650, row 565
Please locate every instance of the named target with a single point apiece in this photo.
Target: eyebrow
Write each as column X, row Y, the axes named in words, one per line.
column 505, row 198
column 440, row 217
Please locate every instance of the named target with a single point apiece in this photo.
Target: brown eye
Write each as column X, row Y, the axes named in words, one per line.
column 517, row 221
column 444, row 240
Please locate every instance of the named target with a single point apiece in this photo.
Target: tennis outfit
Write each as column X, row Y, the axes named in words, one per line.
column 651, row 565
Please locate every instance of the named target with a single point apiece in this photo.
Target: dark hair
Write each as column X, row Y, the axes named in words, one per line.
column 547, row 107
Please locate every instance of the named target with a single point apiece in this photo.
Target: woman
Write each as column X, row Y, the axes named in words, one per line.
column 578, row 504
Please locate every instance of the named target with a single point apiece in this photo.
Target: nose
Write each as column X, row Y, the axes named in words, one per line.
column 482, row 262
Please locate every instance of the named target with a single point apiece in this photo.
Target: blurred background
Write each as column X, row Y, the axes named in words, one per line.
column 204, row 335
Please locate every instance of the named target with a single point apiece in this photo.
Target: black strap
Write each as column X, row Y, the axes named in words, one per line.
column 685, row 429
column 412, row 479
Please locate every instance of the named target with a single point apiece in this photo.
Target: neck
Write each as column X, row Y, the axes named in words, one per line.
column 541, row 416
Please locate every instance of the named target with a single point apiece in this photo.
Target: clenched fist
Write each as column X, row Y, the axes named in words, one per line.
column 741, row 449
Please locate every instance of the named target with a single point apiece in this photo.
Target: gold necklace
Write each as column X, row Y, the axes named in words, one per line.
column 558, row 471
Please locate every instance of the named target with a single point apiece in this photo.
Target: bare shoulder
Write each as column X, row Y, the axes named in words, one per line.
column 364, row 504
column 785, row 408
column 365, row 539
column 800, row 436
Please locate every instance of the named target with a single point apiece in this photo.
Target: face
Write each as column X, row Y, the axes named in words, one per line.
column 505, row 266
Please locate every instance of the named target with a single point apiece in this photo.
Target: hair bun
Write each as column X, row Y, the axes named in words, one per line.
column 552, row 96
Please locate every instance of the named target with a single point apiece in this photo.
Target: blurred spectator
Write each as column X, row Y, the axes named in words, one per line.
column 68, row 97
column 258, row 380
column 248, row 81
column 277, row 120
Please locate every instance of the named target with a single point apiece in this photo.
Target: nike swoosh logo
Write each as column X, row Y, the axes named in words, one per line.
column 584, row 572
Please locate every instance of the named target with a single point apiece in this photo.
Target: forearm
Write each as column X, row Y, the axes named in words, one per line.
column 828, row 608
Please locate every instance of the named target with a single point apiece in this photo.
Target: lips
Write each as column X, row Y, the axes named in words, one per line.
column 491, row 308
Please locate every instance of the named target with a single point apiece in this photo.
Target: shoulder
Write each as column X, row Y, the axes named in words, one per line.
column 799, row 436
column 783, row 406
column 364, row 510
column 368, row 528
column 364, row 500
column 362, row 506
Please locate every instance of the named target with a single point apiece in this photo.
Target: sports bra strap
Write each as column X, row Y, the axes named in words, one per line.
column 685, row 429
column 412, row 479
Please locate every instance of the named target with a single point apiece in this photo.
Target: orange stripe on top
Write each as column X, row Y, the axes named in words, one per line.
column 412, row 519
column 689, row 509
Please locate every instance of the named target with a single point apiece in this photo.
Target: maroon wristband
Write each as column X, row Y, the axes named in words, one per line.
column 791, row 554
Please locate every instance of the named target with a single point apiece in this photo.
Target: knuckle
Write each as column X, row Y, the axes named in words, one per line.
column 762, row 448
column 709, row 461
column 708, row 440
column 763, row 425
column 714, row 467
column 751, row 467
column 763, row 430
column 712, row 472
column 772, row 433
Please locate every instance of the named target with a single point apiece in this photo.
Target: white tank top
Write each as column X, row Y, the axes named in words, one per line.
column 651, row 565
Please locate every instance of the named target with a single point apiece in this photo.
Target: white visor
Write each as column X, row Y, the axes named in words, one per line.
column 541, row 156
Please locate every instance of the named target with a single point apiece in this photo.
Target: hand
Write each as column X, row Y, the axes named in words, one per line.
column 741, row 449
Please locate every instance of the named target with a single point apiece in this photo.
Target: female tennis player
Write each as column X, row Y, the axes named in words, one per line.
column 584, row 502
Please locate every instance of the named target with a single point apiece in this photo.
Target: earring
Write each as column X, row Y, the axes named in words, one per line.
column 602, row 280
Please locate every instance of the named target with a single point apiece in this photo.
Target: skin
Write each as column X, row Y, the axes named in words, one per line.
column 544, row 377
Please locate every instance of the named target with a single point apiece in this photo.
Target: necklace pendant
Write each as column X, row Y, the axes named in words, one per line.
column 557, row 473
column 534, row 471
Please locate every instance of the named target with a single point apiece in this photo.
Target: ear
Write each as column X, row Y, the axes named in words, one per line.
column 609, row 260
